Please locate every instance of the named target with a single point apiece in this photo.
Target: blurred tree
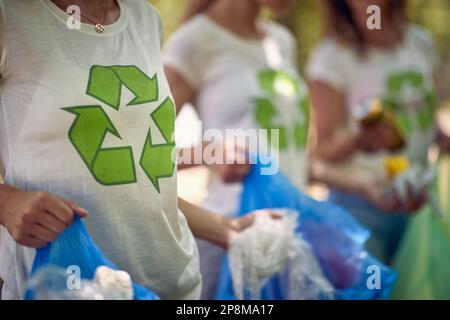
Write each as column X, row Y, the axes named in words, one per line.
column 306, row 22
column 171, row 12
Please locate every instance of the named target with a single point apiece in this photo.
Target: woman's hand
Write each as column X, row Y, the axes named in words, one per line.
column 377, row 137
column 36, row 218
column 242, row 223
column 375, row 194
column 238, row 225
column 414, row 202
column 216, row 228
column 390, row 202
column 235, row 164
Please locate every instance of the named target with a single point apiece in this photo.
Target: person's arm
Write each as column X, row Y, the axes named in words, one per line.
column 182, row 91
column 374, row 189
column 231, row 171
column 216, row 228
column 327, row 75
column 35, row 218
column 334, row 141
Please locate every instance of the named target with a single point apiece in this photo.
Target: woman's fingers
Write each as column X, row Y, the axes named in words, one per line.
column 378, row 197
column 51, row 222
column 378, row 137
column 42, row 233
column 389, row 204
column 269, row 212
column 248, row 220
column 241, row 170
column 234, row 172
column 237, row 164
column 414, row 203
column 31, row 241
column 83, row 213
column 58, row 208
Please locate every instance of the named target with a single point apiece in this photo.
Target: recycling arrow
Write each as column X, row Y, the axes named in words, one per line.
column 301, row 126
column 274, row 83
column 397, row 84
column 265, row 112
column 397, row 81
column 158, row 160
column 114, row 166
column 105, row 84
column 109, row 166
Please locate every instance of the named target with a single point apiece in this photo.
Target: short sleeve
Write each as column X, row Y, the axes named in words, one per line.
column 287, row 40
column 184, row 52
column 2, row 41
column 149, row 13
column 328, row 63
column 161, row 27
column 423, row 42
column 293, row 50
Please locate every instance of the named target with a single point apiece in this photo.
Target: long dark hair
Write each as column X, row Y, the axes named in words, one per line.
column 342, row 25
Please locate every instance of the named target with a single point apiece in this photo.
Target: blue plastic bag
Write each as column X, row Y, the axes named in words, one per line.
column 336, row 238
column 75, row 247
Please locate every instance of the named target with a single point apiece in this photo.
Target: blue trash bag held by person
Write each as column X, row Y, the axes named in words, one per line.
column 336, row 238
column 75, row 247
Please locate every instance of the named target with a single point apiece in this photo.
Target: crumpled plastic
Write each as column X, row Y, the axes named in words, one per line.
column 51, row 283
column 74, row 248
column 117, row 283
column 268, row 247
column 336, row 239
column 418, row 179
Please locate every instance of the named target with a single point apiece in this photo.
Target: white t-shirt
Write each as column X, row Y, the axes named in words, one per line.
column 244, row 84
column 402, row 77
column 90, row 118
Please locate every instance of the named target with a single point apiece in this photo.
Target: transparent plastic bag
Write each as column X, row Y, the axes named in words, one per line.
column 335, row 237
column 74, row 247
column 423, row 259
column 418, row 179
column 50, row 283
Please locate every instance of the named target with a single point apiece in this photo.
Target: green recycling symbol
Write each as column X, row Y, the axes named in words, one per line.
column 116, row 166
column 275, row 83
column 410, row 84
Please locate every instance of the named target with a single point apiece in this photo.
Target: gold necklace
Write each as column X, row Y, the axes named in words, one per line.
column 99, row 27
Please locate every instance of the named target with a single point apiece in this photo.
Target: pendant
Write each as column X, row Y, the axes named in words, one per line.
column 99, row 28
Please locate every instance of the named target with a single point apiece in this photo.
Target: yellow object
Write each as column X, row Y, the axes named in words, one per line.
column 369, row 111
column 395, row 165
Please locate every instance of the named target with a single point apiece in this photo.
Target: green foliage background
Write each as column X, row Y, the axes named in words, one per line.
column 306, row 22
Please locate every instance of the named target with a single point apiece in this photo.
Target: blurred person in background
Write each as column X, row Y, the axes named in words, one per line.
column 239, row 72
column 394, row 65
